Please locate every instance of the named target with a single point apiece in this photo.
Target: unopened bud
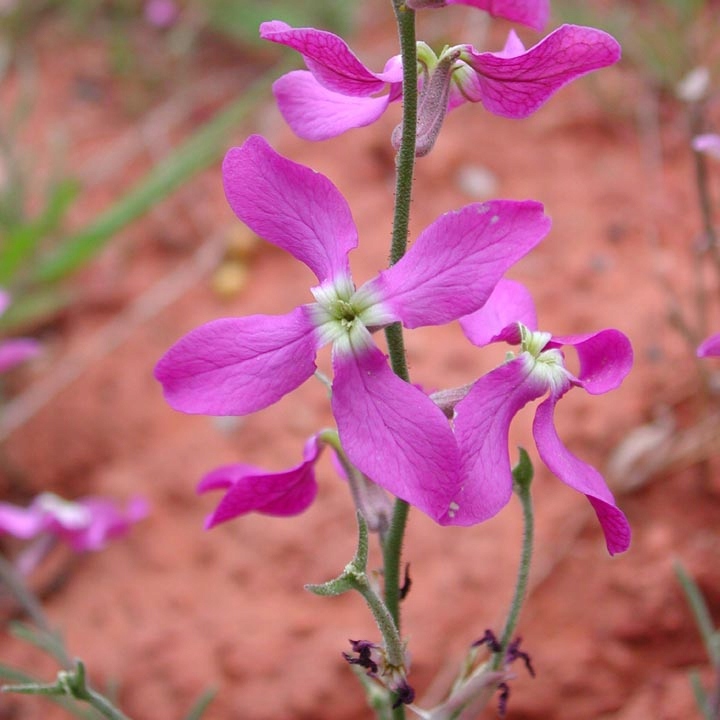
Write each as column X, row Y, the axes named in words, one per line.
column 432, row 106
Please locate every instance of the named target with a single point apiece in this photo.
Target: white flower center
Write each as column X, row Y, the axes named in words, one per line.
column 69, row 514
column 548, row 366
column 344, row 316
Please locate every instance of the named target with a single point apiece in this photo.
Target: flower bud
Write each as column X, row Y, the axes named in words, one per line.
column 432, row 105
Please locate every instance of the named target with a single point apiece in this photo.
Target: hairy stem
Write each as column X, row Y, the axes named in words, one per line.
column 392, row 549
column 523, row 491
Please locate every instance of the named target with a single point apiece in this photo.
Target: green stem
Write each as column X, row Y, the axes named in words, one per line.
column 392, row 548
column 523, row 491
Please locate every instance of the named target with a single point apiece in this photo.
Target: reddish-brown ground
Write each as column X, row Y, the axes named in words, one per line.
column 173, row 610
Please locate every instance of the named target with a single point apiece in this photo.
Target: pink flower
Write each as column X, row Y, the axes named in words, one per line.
column 18, row 350
column 248, row 488
column 85, row 524
column 483, row 417
column 337, row 92
column 161, row 13
column 710, row 347
column 533, row 13
column 391, row 431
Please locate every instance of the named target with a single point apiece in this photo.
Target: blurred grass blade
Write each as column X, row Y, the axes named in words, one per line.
column 204, row 147
column 51, row 643
column 700, row 611
column 22, row 241
column 201, row 705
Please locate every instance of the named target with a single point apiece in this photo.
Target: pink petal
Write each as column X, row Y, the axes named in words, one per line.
column 517, row 86
column 5, row 300
column 107, row 522
column 393, row 433
column 315, row 113
column 581, row 477
column 710, row 346
column 453, row 267
column 606, row 357
column 291, row 206
column 280, row 494
column 496, row 321
column 708, row 143
column 235, row 366
column 533, row 13
column 482, row 425
column 20, row 522
column 15, row 352
column 330, row 59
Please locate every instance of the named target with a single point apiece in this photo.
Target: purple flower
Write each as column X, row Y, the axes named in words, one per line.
column 337, row 92
column 248, row 488
column 533, row 13
column 85, row 524
column 710, row 347
column 18, row 350
column 391, row 431
column 482, row 418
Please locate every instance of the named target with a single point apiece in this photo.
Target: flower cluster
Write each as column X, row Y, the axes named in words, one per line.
column 392, row 432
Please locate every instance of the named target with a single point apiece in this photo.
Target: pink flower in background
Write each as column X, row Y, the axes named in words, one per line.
column 483, row 417
column 85, row 524
column 161, row 13
column 17, row 350
column 708, row 143
column 534, row 13
column 391, row 431
column 248, row 488
column 337, row 92
column 710, row 347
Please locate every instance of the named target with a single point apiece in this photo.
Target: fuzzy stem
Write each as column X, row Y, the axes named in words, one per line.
column 392, row 548
column 523, row 491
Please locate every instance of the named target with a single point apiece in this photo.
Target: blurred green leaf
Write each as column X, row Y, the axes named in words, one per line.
column 201, row 705
column 241, row 20
column 23, row 241
column 200, row 150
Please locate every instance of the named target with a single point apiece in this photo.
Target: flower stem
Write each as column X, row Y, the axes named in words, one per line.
column 392, row 548
column 523, row 491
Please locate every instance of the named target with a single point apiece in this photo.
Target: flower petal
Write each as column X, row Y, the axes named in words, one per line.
column 710, row 346
column 453, row 267
column 280, row 494
column 533, row 13
column 581, row 477
column 708, row 143
column 393, row 433
column 496, row 321
column 330, row 59
column 315, row 113
column 107, row 521
column 291, row 206
column 235, row 366
column 606, row 357
column 15, row 352
column 517, row 86
column 482, row 425
column 21, row 522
